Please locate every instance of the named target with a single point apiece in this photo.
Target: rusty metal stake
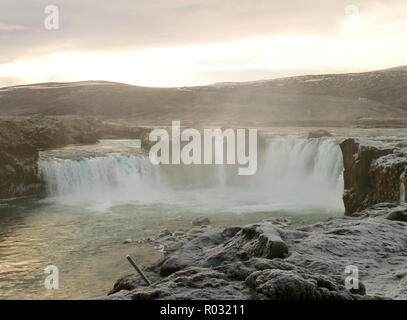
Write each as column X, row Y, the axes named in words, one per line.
column 138, row 270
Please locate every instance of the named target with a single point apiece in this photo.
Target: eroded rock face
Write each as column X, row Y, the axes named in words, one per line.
column 17, row 157
column 263, row 261
column 372, row 173
column 385, row 174
column 22, row 138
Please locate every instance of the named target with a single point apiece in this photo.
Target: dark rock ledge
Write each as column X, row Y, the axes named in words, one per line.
column 264, row 261
column 374, row 173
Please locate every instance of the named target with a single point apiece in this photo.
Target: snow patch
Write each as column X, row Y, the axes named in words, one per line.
column 56, row 86
column 315, row 80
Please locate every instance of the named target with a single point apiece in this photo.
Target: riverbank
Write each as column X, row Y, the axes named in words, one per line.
column 271, row 261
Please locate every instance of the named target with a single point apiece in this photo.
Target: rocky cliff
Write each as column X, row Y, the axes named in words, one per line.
column 373, row 173
column 21, row 139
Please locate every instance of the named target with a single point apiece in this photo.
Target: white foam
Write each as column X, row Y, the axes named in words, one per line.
column 293, row 174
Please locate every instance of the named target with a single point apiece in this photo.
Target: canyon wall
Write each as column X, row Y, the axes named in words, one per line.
column 373, row 173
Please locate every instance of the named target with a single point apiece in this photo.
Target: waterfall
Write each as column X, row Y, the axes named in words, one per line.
column 115, row 177
column 304, row 172
column 293, row 174
column 403, row 188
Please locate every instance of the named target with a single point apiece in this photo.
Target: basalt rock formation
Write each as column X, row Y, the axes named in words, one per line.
column 373, row 173
column 17, row 160
column 264, row 261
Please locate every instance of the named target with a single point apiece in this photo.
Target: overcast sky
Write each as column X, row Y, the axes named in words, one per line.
column 193, row 42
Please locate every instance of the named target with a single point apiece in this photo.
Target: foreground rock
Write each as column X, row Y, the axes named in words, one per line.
column 215, row 248
column 374, row 173
column 263, row 261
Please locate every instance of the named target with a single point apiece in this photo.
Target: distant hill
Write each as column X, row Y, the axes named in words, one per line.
column 371, row 95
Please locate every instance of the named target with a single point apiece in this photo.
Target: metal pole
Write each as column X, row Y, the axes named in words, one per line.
column 138, row 270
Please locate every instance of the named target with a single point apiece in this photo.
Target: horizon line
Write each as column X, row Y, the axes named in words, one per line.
column 197, row 86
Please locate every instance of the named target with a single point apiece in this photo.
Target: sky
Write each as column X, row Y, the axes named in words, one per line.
column 165, row 43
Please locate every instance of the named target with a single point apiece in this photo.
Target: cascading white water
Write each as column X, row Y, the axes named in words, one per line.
column 304, row 173
column 115, row 178
column 293, row 174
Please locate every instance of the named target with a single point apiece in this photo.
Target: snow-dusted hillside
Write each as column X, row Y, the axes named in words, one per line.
column 371, row 95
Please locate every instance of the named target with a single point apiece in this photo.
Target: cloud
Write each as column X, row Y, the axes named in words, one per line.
column 98, row 27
